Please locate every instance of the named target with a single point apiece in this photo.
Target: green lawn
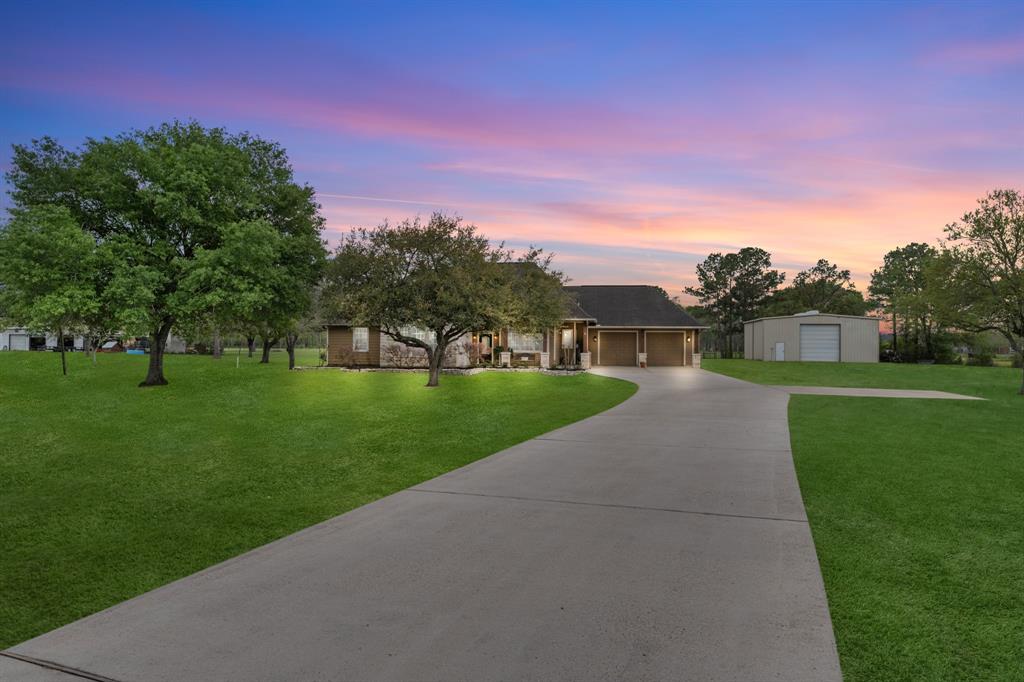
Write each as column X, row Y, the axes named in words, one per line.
column 108, row 490
column 917, row 511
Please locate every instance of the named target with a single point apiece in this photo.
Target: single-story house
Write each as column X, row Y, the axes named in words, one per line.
column 812, row 337
column 604, row 325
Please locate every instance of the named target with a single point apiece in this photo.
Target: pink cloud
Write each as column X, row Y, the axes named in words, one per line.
column 806, row 172
column 854, row 230
column 973, row 55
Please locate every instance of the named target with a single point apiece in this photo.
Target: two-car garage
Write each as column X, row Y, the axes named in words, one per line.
column 635, row 325
column 661, row 348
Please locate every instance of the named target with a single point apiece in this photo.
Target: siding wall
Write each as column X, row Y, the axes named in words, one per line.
column 858, row 337
column 340, row 353
column 339, row 348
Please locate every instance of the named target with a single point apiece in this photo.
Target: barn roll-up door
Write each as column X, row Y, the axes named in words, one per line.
column 819, row 342
column 18, row 342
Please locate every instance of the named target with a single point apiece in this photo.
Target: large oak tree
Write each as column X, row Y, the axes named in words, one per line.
column 442, row 276
column 178, row 205
column 48, row 272
column 977, row 282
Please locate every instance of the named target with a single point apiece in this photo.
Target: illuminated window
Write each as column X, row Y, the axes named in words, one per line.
column 360, row 339
column 525, row 343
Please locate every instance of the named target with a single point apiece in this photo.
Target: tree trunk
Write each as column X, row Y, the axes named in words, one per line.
column 1018, row 351
column 218, row 346
column 289, row 342
column 63, row 357
column 436, row 361
column 895, row 346
column 267, row 345
column 251, row 340
column 157, row 343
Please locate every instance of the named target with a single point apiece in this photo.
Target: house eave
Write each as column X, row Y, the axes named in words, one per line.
column 811, row 317
column 648, row 326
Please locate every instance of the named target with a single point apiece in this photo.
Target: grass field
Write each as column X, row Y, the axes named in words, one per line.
column 108, row 490
column 917, row 511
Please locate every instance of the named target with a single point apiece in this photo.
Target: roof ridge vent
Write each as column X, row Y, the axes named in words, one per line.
column 809, row 312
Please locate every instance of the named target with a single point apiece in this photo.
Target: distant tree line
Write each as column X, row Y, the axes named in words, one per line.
column 736, row 287
column 971, row 283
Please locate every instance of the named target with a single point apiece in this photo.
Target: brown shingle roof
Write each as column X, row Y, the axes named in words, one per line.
column 617, row 305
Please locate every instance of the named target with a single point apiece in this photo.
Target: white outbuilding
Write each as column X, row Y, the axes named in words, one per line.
column 812, row 337
column 20, row 338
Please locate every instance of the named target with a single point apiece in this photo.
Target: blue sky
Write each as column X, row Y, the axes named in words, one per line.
column 632, row 139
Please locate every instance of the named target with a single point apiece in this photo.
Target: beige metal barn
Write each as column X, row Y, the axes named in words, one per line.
column 811, row 337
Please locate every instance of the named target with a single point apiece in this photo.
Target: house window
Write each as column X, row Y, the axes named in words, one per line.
column 525, row 343
column 420, row 333
column 360, row 339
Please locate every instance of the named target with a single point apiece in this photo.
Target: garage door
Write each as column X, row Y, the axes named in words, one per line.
column 18, row 342
column 665, row 349
column 616, row 348
column 819, row 342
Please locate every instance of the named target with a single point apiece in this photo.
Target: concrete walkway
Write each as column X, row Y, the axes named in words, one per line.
column 663, row 539
column 875, row 392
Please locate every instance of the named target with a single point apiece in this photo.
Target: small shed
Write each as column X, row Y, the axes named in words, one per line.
column 812, row 337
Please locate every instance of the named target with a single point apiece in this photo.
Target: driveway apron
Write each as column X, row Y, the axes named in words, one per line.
column 664, row 539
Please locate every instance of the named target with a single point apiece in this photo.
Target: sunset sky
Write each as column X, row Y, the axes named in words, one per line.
column 631, row 139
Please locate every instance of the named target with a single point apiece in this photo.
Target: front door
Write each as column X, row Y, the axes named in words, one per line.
column 486, row 340
column 568, row 344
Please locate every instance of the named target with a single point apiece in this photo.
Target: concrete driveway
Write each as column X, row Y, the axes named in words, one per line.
column 663, row 539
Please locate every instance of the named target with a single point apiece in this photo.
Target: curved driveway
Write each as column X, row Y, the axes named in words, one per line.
column 662, row 539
